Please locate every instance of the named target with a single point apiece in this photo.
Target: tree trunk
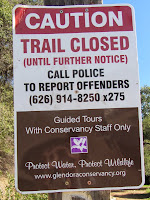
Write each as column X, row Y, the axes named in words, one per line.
column 93, row 195
column 70, row 2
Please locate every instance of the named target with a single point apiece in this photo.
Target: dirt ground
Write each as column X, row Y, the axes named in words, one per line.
column 130, row 194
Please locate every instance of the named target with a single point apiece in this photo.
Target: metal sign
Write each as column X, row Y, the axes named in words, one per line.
column 76, row 99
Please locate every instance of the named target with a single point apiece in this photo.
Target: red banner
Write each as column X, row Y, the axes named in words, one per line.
column 72, row 20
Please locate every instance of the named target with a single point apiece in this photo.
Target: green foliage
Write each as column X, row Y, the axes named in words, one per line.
column 5, row 40
column 146, row 127
column 147, row 158
column 145, row 101
column 6, row 118
column 30, row 2
column 6, row 47
column 12, row 194
column 148, row 190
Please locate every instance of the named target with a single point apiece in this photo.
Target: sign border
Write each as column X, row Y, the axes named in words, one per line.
column 139, row 109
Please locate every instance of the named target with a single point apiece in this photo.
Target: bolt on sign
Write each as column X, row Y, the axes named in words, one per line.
column 77, row 99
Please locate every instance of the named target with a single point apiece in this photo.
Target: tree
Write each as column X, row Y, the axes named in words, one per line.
column 147, row 158
column 6, row 47
column 6, row 118
column 5, row 40
column 145, row 101
column 30, row 2
column 146, row 127
column 70, row 2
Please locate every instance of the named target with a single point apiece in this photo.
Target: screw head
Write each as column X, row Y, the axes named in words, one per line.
column 66, row 183
column 89, row 182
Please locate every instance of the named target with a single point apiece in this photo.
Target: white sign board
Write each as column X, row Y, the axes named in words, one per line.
column 76, row 99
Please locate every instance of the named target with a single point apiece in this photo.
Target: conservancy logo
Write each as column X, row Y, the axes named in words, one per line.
column 79, row 144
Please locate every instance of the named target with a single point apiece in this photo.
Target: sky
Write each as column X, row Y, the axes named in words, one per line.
column 142, row 17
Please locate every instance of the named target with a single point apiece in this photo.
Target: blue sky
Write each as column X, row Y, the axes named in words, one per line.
column 142, row 16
